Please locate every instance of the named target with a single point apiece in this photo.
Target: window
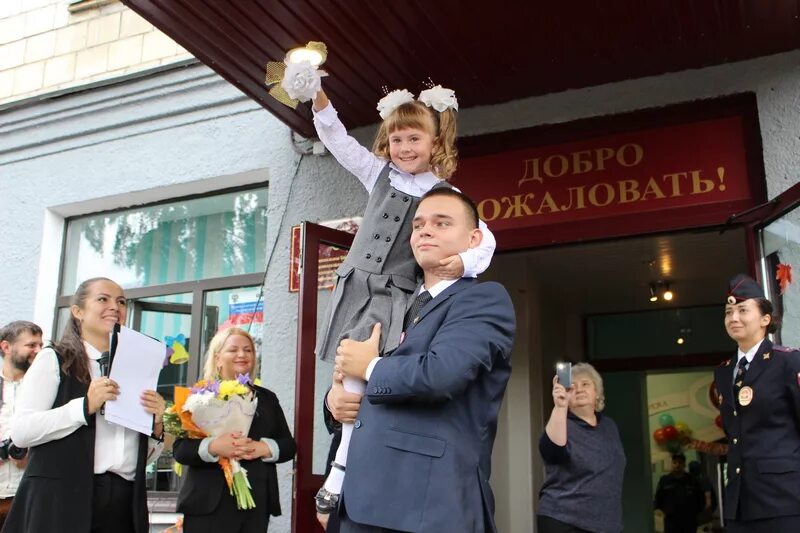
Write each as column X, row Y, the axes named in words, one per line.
column 780, row 242
column 188, row 240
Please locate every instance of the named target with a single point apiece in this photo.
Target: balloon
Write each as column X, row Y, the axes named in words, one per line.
column 670, row 433
column 658, row 436
column 683, row 429
column 718, row 421
column 666, row 420
column 674, row 446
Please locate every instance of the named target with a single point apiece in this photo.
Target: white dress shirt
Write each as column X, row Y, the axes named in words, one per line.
column 748, row 355
column 10, row 474
column 367, row 166
column 115, row 447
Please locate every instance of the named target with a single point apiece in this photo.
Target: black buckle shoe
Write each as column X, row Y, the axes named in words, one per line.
column 326, row 501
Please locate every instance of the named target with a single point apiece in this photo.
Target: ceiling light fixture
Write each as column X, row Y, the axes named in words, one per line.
column 653, row 293
column 668, row 294
column 312, row 54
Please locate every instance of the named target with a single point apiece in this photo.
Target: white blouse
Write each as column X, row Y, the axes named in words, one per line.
column 367, row 166
column 35, row 422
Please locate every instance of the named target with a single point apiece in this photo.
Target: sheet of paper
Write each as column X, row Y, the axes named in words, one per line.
column 137, row 364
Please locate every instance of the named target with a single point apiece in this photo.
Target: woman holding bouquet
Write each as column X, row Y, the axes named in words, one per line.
column 204, row 499
column 84, row 474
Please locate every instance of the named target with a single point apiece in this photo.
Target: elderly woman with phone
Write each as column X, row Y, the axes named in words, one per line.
column 583, row 456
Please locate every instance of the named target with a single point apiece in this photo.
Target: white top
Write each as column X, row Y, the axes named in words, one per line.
column 10, row 474
column 367, row 166
column 35, row 422
column 748, row 355
column 437, row 288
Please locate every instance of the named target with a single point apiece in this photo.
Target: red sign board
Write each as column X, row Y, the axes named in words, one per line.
column 695, row 165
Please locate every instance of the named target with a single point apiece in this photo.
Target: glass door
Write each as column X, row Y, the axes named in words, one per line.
column 778, row 238
column 241, row 307
column 191, row 319
column 161, row 317
column 322, row 250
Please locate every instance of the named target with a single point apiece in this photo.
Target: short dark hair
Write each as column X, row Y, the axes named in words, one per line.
column 472, row 209
column 12, row 330
column 678, row 457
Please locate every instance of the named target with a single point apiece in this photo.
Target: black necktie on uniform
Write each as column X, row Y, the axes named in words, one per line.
column 419, row 302
column 741, row 369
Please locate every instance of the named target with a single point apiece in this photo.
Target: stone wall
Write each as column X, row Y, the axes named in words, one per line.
column 53, row 45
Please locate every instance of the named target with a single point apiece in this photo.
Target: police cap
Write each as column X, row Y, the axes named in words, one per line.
column 742, row 287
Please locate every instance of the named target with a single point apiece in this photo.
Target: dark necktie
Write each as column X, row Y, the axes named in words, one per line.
column 741, row 370
column 419, row 302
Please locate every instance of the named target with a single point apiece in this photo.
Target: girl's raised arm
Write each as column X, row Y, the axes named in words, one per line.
column 320, row 101
column 354, row 157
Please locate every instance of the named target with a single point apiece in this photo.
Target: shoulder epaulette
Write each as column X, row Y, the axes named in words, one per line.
column 726, row 362
column 783, row 348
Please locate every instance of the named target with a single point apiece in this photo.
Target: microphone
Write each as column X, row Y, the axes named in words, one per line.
column 107, row 358
column 105, row 364
column 105, row 367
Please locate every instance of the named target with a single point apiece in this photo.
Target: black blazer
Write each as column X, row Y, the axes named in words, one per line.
column 55, row 494
column 763, row 435
column 204, row 483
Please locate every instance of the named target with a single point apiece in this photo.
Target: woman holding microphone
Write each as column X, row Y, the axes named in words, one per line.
column 84, row 475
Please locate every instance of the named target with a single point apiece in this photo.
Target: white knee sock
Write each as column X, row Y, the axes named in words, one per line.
column 336, row 477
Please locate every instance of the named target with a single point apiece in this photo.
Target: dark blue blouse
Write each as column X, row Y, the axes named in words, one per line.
column 583, row 483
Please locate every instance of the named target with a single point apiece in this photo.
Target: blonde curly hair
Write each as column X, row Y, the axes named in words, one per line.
column 442, row 126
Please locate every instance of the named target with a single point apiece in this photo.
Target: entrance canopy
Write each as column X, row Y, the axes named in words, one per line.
column 488, row 52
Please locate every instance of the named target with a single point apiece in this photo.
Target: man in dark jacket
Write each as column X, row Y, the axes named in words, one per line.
column 680, row 497
column 420, row 455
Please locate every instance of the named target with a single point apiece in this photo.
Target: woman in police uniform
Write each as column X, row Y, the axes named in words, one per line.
column 759, row 393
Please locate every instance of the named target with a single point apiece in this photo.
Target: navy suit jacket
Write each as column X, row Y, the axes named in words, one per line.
column 763, row 436
column 420, row 454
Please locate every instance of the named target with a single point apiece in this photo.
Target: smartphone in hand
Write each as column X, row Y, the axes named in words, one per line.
column 564, row 374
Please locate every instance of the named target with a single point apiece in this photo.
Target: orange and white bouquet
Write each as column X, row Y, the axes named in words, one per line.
column 212, row 408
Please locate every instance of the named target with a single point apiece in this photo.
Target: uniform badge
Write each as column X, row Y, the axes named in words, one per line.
column 745, row 396
column 766, row 356
column 731, row 300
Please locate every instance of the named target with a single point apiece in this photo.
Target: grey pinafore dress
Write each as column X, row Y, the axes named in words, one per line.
column 379, row 275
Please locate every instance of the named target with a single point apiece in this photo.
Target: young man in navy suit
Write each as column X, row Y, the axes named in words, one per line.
column 420, row 454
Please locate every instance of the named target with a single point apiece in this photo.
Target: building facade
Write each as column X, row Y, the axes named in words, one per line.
column 117, row 148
